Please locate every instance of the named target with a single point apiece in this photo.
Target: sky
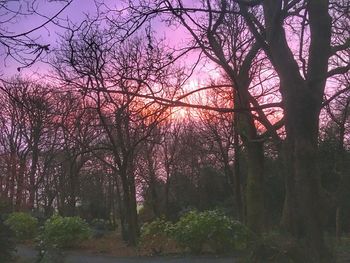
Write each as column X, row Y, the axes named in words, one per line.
column 75, row 13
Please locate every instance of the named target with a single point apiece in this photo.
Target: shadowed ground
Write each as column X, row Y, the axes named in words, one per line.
column 28, row 255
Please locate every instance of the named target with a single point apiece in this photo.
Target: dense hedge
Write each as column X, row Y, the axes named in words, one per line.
column 197, row 230
column 155, row 237
column 23, row 225
column 64, row 232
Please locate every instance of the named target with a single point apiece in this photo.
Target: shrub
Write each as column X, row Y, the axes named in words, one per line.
column 23, row 225
column 64, row 232
column 7, row 244
column 155, row 236
column 274, row 247
column 195, row 230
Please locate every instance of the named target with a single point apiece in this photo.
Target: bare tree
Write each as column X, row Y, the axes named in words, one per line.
column 112, row 75
column 302, row 84
column 302, row 71
column 25, row 47
column 337, row 124
column 31, row 104
column 222, row 36
column 220, row 135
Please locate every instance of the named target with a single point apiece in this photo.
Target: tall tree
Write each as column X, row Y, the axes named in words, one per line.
column 302, row 87
column 117, row 78
column 222, row 37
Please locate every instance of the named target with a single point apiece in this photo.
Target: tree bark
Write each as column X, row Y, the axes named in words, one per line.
column 20, row 185
column 338, row 224
column 237, row 174
column 255, row 204
column 32, row 180
column 255, row 187
column 302, row 103
column 130, row 206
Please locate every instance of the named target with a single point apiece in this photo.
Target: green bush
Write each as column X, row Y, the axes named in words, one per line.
column 7, row 244
column 155, row 236
column 64, row 232
column 158, row 226
column 23, row 225
column 221, row 234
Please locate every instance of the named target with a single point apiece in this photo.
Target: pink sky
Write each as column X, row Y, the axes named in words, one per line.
column 76, row 12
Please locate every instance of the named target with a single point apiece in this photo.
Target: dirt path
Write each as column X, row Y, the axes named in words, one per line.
column 28, row 255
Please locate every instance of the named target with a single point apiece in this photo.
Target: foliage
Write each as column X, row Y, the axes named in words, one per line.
column 155, row 235
column 157, row 226
column 7, row 243
column 221, row 234
column 64, row 232
column 23, row 225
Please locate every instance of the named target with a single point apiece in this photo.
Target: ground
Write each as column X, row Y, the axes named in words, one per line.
column 111, row 249
column 28, row 255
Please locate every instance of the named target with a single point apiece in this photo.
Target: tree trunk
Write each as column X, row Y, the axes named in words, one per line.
column 338, row 224
column 302, row 97
column 155, row 204
column 245, row 125
column 121, row 209
column 255, row 187
column 167, row 191
column 73, row 185
column 255, row 204
column 167, row 187
column 302, row 214
column 307, row 185
column 12, row 178
column 133, row 226
column 289, row 218
column 33, row 168
column 20, row 185
column 237, row 175
column 341, row 167
column 131, row 219
column 130, row 206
